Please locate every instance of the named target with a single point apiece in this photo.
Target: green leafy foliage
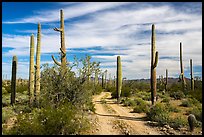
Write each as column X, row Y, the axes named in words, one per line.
column 177, row 94
column 178, row 122
column 49, row 121
column 158, row 113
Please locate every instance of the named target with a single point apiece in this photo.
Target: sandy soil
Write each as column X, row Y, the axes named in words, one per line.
column 120, row 120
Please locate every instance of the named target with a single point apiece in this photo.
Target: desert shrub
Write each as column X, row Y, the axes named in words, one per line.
column 114, row 93
column 128, row 102
column 158, row 113
column 189, row 102
column 166, row 100
column 58, row 88
column 125, row 91
column 172, row 108
column 7, row 112
column 177, row 94
column 49, row 121
column 140, row 106
column 197, row 111
column 97, row 89
column 197, row 93
column 6, row 100
column 110, row 89
column 178, row 122
column 160, row 95
column 186, row 103
column 4, row 91
column 20, row 88
column 146, row 96
column 7, row 87
column 22, row 98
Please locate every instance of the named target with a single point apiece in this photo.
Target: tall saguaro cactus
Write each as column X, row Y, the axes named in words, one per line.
column 166, row 80
column 37, row 67
column 13, row 80
column 102, row 80
column 182, row 73
column 105, row 82
column 154, row 61
column 63, row 48
column 119, row 78
column 31, row 70
column 192, row 78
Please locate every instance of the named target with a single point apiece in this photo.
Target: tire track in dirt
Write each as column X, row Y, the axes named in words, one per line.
column 106, row 126
column 132, row 121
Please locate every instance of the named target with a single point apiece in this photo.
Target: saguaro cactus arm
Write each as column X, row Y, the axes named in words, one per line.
column 156, row 60
column 62, row 51
column 57, row 29
column 59, row 64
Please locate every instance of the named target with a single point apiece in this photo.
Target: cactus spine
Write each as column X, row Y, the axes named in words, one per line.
column 182, row 73
column 154, row 61
column 166, row 80
column 31, row 70
column 62, row 49
column 37, row 67
column 192, row 78
column 119, row 78
column 13, row 80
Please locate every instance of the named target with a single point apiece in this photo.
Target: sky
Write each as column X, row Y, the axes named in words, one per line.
column 105, row 30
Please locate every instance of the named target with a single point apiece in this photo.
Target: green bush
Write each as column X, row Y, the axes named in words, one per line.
column 7, row 112
column 49, row 121
column 20, row 88
column 197, row 111
column 141, row 106
column 128, row 102
column 114, row 93
column 4, row 91
column 158, row 113
column 6, row 100
column 177, row 94
column 125, row 91
column 186, row 103
column 110, row 89
column 166, row 100
column 172, row 108
column 178, row 122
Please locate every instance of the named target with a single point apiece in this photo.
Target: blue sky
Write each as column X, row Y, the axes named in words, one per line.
column 105, row 30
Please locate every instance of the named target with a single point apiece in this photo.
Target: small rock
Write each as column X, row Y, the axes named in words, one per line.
column 167, row 126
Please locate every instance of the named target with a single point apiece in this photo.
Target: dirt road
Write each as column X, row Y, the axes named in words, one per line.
column 114, row 119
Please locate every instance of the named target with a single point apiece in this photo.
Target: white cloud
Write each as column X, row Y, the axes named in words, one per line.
column 128, row 28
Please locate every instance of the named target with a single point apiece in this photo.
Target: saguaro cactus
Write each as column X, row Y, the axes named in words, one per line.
column 154, row 61
column 166, row 80
column 37, row 67
column 13, row 80
column 63, row 48
column 119, row 78
column 182, row 73
column 102, row 80
column 105, row 82
column 192, row 78
column 31, row 70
